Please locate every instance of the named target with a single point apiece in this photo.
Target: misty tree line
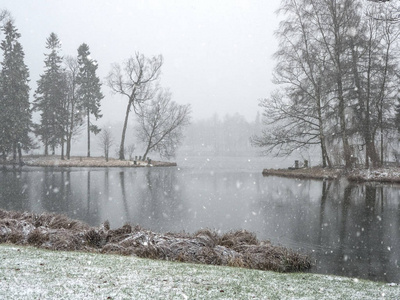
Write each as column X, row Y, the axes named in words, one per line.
column 338, row 76
column 68, row 99
column 227, row 135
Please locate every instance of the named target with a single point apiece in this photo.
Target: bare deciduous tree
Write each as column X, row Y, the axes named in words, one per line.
column 130, row 150
column 160, row 124
column 5, row 16
column 136, row 80
column 298, row 112
column 75, row 117
column 336, row 70
column 106, row 141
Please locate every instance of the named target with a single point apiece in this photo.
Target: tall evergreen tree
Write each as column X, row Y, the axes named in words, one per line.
column 50, row 97
column 89, row 90
column 15, row 112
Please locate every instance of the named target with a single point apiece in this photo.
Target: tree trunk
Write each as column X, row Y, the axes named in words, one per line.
column 62, row 150
column 69, row 134
column 68, row 146
column 20, row 155
column 14, row 152
column 145, row 154
column 88, row 133
column 364, row 103
column 325, row 159
column 46, row 148
column 122, row 146
column 343, row 129
column 382, row 144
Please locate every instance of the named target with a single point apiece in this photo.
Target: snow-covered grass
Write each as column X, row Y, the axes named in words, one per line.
column 391, row 174
column 81, row 161
column 378, row 175
column 31, row 273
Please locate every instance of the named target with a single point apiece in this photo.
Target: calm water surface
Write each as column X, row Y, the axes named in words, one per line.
column 351, row 230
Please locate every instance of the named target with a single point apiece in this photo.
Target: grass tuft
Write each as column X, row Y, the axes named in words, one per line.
column 236, row 248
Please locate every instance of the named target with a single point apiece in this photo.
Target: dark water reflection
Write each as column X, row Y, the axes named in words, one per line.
column 351, row 230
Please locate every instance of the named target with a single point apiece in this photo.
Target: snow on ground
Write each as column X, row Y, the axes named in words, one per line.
column 378, row 175
column 81, row 161
column 30, row 273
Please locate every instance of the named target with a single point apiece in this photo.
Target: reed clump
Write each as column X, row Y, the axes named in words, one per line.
column 239, row 248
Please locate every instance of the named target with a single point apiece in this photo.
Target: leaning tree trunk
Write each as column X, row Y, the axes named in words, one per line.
column 122, row 146
column 145, row 153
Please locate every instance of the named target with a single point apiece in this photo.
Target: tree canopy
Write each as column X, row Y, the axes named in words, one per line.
column 89, row 90
column 15, row 112
column 337, row 84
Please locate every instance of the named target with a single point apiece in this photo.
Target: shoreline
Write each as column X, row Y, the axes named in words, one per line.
column 239, row 248
column 306, row 173
column 384, row 175
column 82, row 161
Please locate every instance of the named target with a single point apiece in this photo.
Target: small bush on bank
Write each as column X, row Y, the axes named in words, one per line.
column 236, row 248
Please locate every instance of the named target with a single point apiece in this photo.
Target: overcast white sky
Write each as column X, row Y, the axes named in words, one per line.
column 217, row 54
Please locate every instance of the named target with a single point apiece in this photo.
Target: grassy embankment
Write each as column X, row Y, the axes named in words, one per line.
column 31, row 273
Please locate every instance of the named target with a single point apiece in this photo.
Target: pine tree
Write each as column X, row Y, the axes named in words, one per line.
column 15, row 112
column 89, row 91
column 50, row 97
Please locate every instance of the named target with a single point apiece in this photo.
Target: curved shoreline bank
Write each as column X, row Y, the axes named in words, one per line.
column 81, row 161
column 384, row 175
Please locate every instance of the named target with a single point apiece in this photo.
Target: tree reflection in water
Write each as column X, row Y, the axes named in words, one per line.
column 351, row 230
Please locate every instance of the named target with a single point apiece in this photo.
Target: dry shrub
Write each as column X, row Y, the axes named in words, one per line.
column 182, row 257
column 63, row 245
column 93, row 238
column 274, row 258
column 64, row 240
column 36, row 237
column 208, row 237
column 112, row 248
column 106, row 225
column 148, row 251
column 209, row 256
column 234, row 239
column 4, row 214
column 236, row 248
column 126, row 229
column 236, row 261
column 55, row 221
column 182, row 234
column 116, row 238
column 15, row 237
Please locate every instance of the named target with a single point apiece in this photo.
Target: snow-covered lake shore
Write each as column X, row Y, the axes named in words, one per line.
column 390, row 175
column 82, row 161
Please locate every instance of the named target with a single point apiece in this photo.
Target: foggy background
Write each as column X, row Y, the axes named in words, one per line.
column 217, row 54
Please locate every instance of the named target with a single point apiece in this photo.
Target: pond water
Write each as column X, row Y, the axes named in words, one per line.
column 350, row 230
